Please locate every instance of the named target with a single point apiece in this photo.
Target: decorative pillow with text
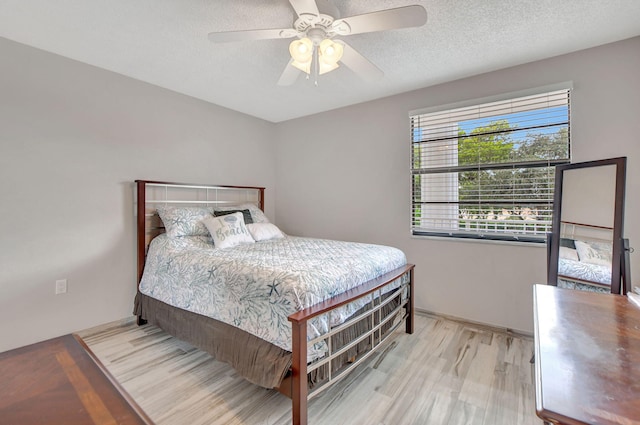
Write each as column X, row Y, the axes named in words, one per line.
column 228, row 230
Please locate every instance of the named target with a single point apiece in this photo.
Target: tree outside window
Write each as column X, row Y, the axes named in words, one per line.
column 488, row 171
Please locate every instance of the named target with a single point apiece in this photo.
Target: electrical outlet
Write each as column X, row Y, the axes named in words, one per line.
column 61, row 286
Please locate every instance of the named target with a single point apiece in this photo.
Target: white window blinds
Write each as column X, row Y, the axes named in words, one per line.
column 487, row 171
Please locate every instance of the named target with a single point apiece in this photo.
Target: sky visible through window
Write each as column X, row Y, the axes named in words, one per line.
column 492, row 174
column 543, row 117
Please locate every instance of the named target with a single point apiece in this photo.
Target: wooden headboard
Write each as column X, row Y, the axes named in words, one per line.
column 149, row 194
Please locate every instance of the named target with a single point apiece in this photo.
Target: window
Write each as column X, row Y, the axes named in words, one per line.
column 487, row 171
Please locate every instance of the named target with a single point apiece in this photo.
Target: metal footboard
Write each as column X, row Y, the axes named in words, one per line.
column 382, row 315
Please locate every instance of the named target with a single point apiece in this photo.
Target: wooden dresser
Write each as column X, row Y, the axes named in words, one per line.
column 587, row 357
column 60, row 381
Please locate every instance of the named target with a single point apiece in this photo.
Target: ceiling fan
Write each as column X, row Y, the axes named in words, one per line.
column 315, row 49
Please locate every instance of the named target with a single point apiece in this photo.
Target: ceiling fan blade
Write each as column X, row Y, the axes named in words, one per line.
column 250, row 35
column 289, row 75
column 401, row 17
column 359, row 64
column 305, row 7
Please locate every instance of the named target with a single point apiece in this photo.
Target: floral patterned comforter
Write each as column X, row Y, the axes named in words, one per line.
column 255, row 287
column 584, row 271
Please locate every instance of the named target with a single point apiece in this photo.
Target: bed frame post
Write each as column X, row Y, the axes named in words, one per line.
column 409, row 321
column 261, row 198
column 299, row 389
column 141, row 196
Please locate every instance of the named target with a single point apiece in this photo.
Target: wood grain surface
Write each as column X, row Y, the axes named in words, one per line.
column 447, row 372
column 587, row 357
column 58, row 382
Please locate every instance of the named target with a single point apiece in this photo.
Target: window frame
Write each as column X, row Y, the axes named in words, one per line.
column 480, row 235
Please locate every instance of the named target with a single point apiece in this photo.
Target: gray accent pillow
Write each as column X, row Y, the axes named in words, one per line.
column 246, row 214
column 257, row 214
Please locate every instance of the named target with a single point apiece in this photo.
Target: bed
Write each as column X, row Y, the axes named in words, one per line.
column 295, row 314
column 585, row 257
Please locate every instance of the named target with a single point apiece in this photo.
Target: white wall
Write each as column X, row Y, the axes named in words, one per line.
column 74, row 137
column 589, row 196
column 72, row 140
column 345, row 174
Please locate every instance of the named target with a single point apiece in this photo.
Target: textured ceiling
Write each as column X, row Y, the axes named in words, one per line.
column 164, row 42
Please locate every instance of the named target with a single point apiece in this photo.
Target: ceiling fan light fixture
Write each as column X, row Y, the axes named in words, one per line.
column 318, row 21
column 301, row 50
column 330, row 51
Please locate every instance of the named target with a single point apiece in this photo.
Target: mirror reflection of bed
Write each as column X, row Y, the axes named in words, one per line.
column 586, row 250
column 585, row 257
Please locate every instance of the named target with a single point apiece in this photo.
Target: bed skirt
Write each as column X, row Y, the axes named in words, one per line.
column 255, row 359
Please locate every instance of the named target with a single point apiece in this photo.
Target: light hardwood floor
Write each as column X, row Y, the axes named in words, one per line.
column 447, row 372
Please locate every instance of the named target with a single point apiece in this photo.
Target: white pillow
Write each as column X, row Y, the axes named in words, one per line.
column 228, row 230
column 595, row 252
column 568, row 253
column 264, row 231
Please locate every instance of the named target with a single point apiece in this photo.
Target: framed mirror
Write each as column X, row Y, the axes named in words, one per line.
column 586, row 244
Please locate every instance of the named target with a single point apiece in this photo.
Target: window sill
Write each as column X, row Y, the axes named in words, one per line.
column 481, row 241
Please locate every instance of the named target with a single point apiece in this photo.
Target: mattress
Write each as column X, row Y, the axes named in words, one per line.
column 255, row 287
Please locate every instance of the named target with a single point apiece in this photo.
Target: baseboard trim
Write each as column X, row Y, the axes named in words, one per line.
column 492, row 328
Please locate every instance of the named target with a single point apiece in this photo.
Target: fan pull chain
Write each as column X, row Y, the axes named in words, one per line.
column 316, row 65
